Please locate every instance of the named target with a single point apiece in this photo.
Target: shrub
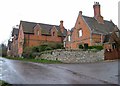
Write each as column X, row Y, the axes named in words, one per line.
column 27, row 52
column 35, row 49
column 85, row 46
column 95, row 47
column 42, row 48
column 48, row 48
column 80, row 46
column 59, row 46
column 31, row 52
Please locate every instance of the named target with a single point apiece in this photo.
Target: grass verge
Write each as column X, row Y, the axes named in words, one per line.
column 35, row 60
column 3, row 83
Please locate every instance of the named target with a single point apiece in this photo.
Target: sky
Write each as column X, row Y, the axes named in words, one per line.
column 50, row 12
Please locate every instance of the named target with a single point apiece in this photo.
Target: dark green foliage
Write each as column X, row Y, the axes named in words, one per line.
column 95, row 47
column 59, row 46
column 32, row 52
column 35, row 49
column 48, row 48
column 80, row 46
column 27, row 52
column 42, row 48
column 3, row 83
column 85, row 46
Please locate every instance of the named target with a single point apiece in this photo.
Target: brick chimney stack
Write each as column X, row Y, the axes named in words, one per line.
column 96, row 8
column 61, row 26
column 97, row 12
column 80, row 13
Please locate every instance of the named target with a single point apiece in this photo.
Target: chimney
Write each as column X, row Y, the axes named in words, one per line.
column 61, row 26
column 80, row 13
column 96, row 8
column 97, row 13
column 110, row 20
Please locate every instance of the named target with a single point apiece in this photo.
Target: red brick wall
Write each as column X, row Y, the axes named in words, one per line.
column 97, row 39
column 34, row 40
column 20, row 41
column 85, row 38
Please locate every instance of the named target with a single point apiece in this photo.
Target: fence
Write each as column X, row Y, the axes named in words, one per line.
column 112, row 54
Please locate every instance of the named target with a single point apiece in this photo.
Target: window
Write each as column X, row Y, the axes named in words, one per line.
column 53, row 33
column 114, row 46
column 64, row 44
column 38, row 33
column 69, row 38
column 80, row 33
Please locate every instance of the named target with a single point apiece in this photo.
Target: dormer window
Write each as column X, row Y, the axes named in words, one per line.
column 80, row 33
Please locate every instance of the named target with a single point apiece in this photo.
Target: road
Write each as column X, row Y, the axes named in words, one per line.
column 21, row 72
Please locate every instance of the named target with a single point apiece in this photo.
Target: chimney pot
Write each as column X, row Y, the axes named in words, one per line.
column 61, row 21
column 80, row 12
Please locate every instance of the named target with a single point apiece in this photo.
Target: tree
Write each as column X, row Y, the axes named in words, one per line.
column 3, row 50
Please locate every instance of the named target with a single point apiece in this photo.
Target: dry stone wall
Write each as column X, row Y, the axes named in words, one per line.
column 73, row 56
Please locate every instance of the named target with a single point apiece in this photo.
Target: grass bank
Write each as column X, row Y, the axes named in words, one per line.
column 35, row 60
column 3, row 83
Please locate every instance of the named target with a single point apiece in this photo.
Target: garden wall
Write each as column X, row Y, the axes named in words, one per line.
column 73, row 56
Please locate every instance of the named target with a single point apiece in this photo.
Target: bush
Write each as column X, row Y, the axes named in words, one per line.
column 85, row 46
column 27, row 52
column 30, row 52
column 48, row 48
column 59, row 46
column 80, row 47
column 95, row 47
column 35, row 49
column 42, row 48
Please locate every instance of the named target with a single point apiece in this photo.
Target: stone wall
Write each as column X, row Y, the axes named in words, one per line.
column 74, row 56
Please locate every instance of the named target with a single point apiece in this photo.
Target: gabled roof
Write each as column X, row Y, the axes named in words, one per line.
column 96, row 27
column 112, row 37
column 15, row 31
column 106, row 38
column 28, row 27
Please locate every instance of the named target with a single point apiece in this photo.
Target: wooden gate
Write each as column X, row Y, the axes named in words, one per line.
column 112, row 54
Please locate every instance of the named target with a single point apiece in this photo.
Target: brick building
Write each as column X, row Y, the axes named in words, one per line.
column 112, row 45
column 89, row 30
column 12, row 45
column 34, row 34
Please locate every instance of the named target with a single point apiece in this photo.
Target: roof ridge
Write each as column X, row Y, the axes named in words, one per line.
column 48, row 24
column 88, row 16
column 94, row 18
column 39, row 23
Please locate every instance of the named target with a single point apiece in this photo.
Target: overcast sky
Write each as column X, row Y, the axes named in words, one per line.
column 50, row 12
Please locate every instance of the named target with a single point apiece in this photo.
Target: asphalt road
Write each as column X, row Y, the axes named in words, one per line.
column 21, row 72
